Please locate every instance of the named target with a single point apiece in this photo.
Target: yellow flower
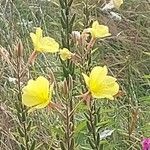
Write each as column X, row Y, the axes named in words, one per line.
column 37, row 93
column 43, row 44
column 99, row 31
column 117, row 3
column 65, row 54
column 100, row 84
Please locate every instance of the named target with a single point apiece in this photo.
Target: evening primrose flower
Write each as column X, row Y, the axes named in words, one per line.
column 37, row 93
column 43, row 44
column 100, row 84
column 99, row 31
column 65, row 54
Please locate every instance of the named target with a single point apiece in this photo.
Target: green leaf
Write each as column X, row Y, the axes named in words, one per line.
column 88, row 126
column 103, row 123
column 70, row 3
column 22, row 147
column 33, row 145
column 91, row 143
column 147, row 53
column 29, row 126
column 63, row 23
column 71, row 23
column 24, row 116
column 80, row 127
column 63, row 15
column 20, row 132
column 62, row 145
column 145, row 98
column 98, row 138
column 147, row 76
column 18, row 108
column 62, row 4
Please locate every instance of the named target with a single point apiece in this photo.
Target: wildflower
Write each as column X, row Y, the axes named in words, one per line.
column 100, row 84
column 99, row 31
column 65, row 54
column 146, row 144
column 43, row 44
column 37, row 93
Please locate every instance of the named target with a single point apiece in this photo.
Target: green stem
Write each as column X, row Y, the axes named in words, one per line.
column 68, row 69
column 67, row 129
column 23, row 113
column 92, row 110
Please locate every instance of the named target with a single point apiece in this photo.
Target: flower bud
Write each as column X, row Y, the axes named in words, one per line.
column 76, row 37
column 19, row 49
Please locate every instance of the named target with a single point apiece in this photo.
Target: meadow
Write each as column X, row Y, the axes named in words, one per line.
column 74, row 74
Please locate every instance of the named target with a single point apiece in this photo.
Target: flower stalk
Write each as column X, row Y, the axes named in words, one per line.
column 24, row 126
column 67, row 22
column 92, row 120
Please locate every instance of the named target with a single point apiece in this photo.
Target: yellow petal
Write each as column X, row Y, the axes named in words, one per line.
column 65, row 54
column 97, row 76
column 33, row 37
column 30, row 100
column 109, row 80
column 101, row 95
column 43, row 84
column 36, row 39
column 86, row 79
column 49, row 45
column 117, row 3
column 95, row 24
column 112, row 89
column 107, row 91
column 39, row 33
column 36, row 92
column 44, row 104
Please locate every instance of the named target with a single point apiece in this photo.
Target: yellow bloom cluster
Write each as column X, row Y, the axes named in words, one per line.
column 100, row 84
column 38, row 93
column 47, row 44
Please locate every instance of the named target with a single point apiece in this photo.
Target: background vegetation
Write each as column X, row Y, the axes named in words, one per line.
column 126, row 53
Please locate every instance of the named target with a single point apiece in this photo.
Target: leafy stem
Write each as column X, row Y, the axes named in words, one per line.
column 23, row 127
column 92, row 119
column 68, row 68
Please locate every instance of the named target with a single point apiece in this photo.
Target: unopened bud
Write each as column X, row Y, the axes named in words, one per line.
column 76, row 36
column 65, row 87
column 70, row 84
column 51, row 76
column 84, row 36
column 32, row 58
column 19, row 49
